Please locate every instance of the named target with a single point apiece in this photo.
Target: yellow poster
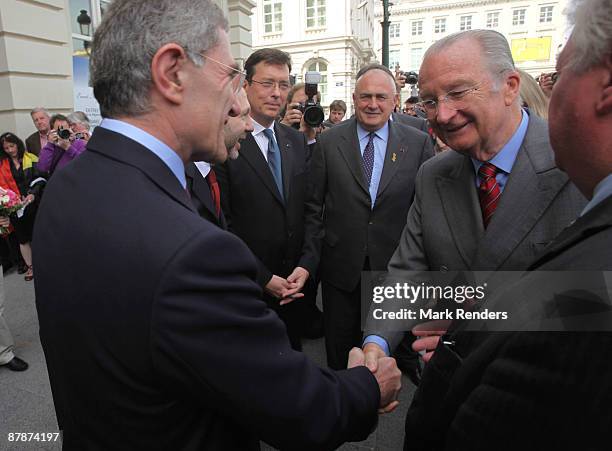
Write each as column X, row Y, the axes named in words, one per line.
column 531, row 49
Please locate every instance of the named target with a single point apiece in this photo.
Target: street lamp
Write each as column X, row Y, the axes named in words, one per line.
column 385, row 33
column 84, row 22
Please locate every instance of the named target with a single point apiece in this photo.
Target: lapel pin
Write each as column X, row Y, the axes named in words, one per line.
column 394, row 157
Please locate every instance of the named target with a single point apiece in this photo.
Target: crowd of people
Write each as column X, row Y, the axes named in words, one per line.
column 185, row 317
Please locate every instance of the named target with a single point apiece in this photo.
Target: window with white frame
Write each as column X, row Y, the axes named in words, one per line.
column 546, row 14
column 273, row 16
column 394, row 30
column 320, row 66
column 416, row 58
column 394, row 59
column 417, row 28
column 518, row 17
column 493, row 19
column 315, row 13
column 465, row 23
column 440, row 25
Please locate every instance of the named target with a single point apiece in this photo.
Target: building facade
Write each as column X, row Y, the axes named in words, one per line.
column 44, row 55
column 535, row 29
column 334, row 37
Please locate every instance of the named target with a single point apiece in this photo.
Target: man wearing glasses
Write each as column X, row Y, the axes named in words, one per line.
column 262, row 192
column 493, row 202
column 154, row 332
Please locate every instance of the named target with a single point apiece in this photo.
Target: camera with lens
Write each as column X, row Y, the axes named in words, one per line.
column 79, row 135
column 63, row 133
column 412, row 78
column 311, row 111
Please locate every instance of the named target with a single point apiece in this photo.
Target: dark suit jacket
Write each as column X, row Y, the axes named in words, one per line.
column 341, row 227
column 416, row 122
column 531, row 390
column 32, row 143
column 152, row 325
column 201, row 196
column 273, row 229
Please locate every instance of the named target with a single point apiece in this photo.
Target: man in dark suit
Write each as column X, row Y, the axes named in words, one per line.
column 201, row 177
column 263, row 191
column 170, row 346
column 447, row 228
column 38, row 139
column 362, row 175
column 503, row 391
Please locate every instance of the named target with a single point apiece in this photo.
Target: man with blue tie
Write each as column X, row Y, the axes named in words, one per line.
column 362, row 175
column 263, row 191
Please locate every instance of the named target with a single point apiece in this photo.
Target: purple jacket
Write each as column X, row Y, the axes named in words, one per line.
column 53, row 157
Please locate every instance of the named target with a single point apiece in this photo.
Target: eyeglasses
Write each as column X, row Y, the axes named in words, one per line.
column 238, row 76
column 270, row 84
column 454, row 100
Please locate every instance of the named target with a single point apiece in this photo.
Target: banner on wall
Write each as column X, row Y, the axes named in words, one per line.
column 84, row 99
column 531, row 49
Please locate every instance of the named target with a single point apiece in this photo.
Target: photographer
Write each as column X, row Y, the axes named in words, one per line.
column 296, row 99
column 62, row 147
column 79, row 124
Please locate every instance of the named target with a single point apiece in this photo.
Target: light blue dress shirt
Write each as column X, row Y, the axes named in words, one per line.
column 380, row 149
column 602, row 191
column 163, row 152
column 504, row 160
column 506, row 157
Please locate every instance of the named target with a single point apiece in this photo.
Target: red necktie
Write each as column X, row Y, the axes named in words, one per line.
column 488, row 191
column 215, row 193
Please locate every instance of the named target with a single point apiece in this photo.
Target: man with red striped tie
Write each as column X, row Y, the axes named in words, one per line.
column 491, row 204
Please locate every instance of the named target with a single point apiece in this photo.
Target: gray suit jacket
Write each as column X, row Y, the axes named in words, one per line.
column 341, row 227
column 445, row 232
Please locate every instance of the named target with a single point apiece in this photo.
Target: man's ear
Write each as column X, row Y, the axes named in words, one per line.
column 604, row 103
column 512, row 87
column 168, row 72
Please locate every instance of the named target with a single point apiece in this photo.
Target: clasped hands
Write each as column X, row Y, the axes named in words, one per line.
column 289, row 289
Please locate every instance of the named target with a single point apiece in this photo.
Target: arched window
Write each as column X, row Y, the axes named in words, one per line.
column 320, row 66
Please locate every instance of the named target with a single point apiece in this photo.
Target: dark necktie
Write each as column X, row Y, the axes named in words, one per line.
column 368, row 159
column 488, row 191
column 274, row 160
column 215, row 193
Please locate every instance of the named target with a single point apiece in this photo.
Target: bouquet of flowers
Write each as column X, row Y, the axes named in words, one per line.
column 9, row 203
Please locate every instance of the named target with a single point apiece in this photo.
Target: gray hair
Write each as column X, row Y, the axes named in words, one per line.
column 592, row 34
column 495, row 49
column 79, row 117
column 39, row 109
column 129, row 36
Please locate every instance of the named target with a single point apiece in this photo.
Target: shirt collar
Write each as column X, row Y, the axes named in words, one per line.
column 505, row 158
column 163, row 151
column 382, row 133
column 601, row 192
column 258, row 128
column 203, row 167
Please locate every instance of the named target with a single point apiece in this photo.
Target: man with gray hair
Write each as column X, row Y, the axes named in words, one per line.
column 151, row 320
column 37, row 140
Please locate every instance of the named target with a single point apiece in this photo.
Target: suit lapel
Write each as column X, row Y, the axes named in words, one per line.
column 351, row 152
column 461, row 207
column 250, row 151
column 121, row 148
column 533, row 184
column 287, row 161
column 395, row 155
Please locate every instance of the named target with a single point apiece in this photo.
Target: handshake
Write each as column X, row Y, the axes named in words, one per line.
column 386, row 372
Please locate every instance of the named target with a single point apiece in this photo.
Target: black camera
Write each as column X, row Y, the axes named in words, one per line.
column 311, row 111
column 412, row 78
column 63, row 133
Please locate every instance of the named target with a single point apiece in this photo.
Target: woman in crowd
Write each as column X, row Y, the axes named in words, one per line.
column 19, row 173
column 532, row 96
column 62, row 146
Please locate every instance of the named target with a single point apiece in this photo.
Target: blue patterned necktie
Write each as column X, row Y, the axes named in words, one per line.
column 274, row 161
column 368, row 159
